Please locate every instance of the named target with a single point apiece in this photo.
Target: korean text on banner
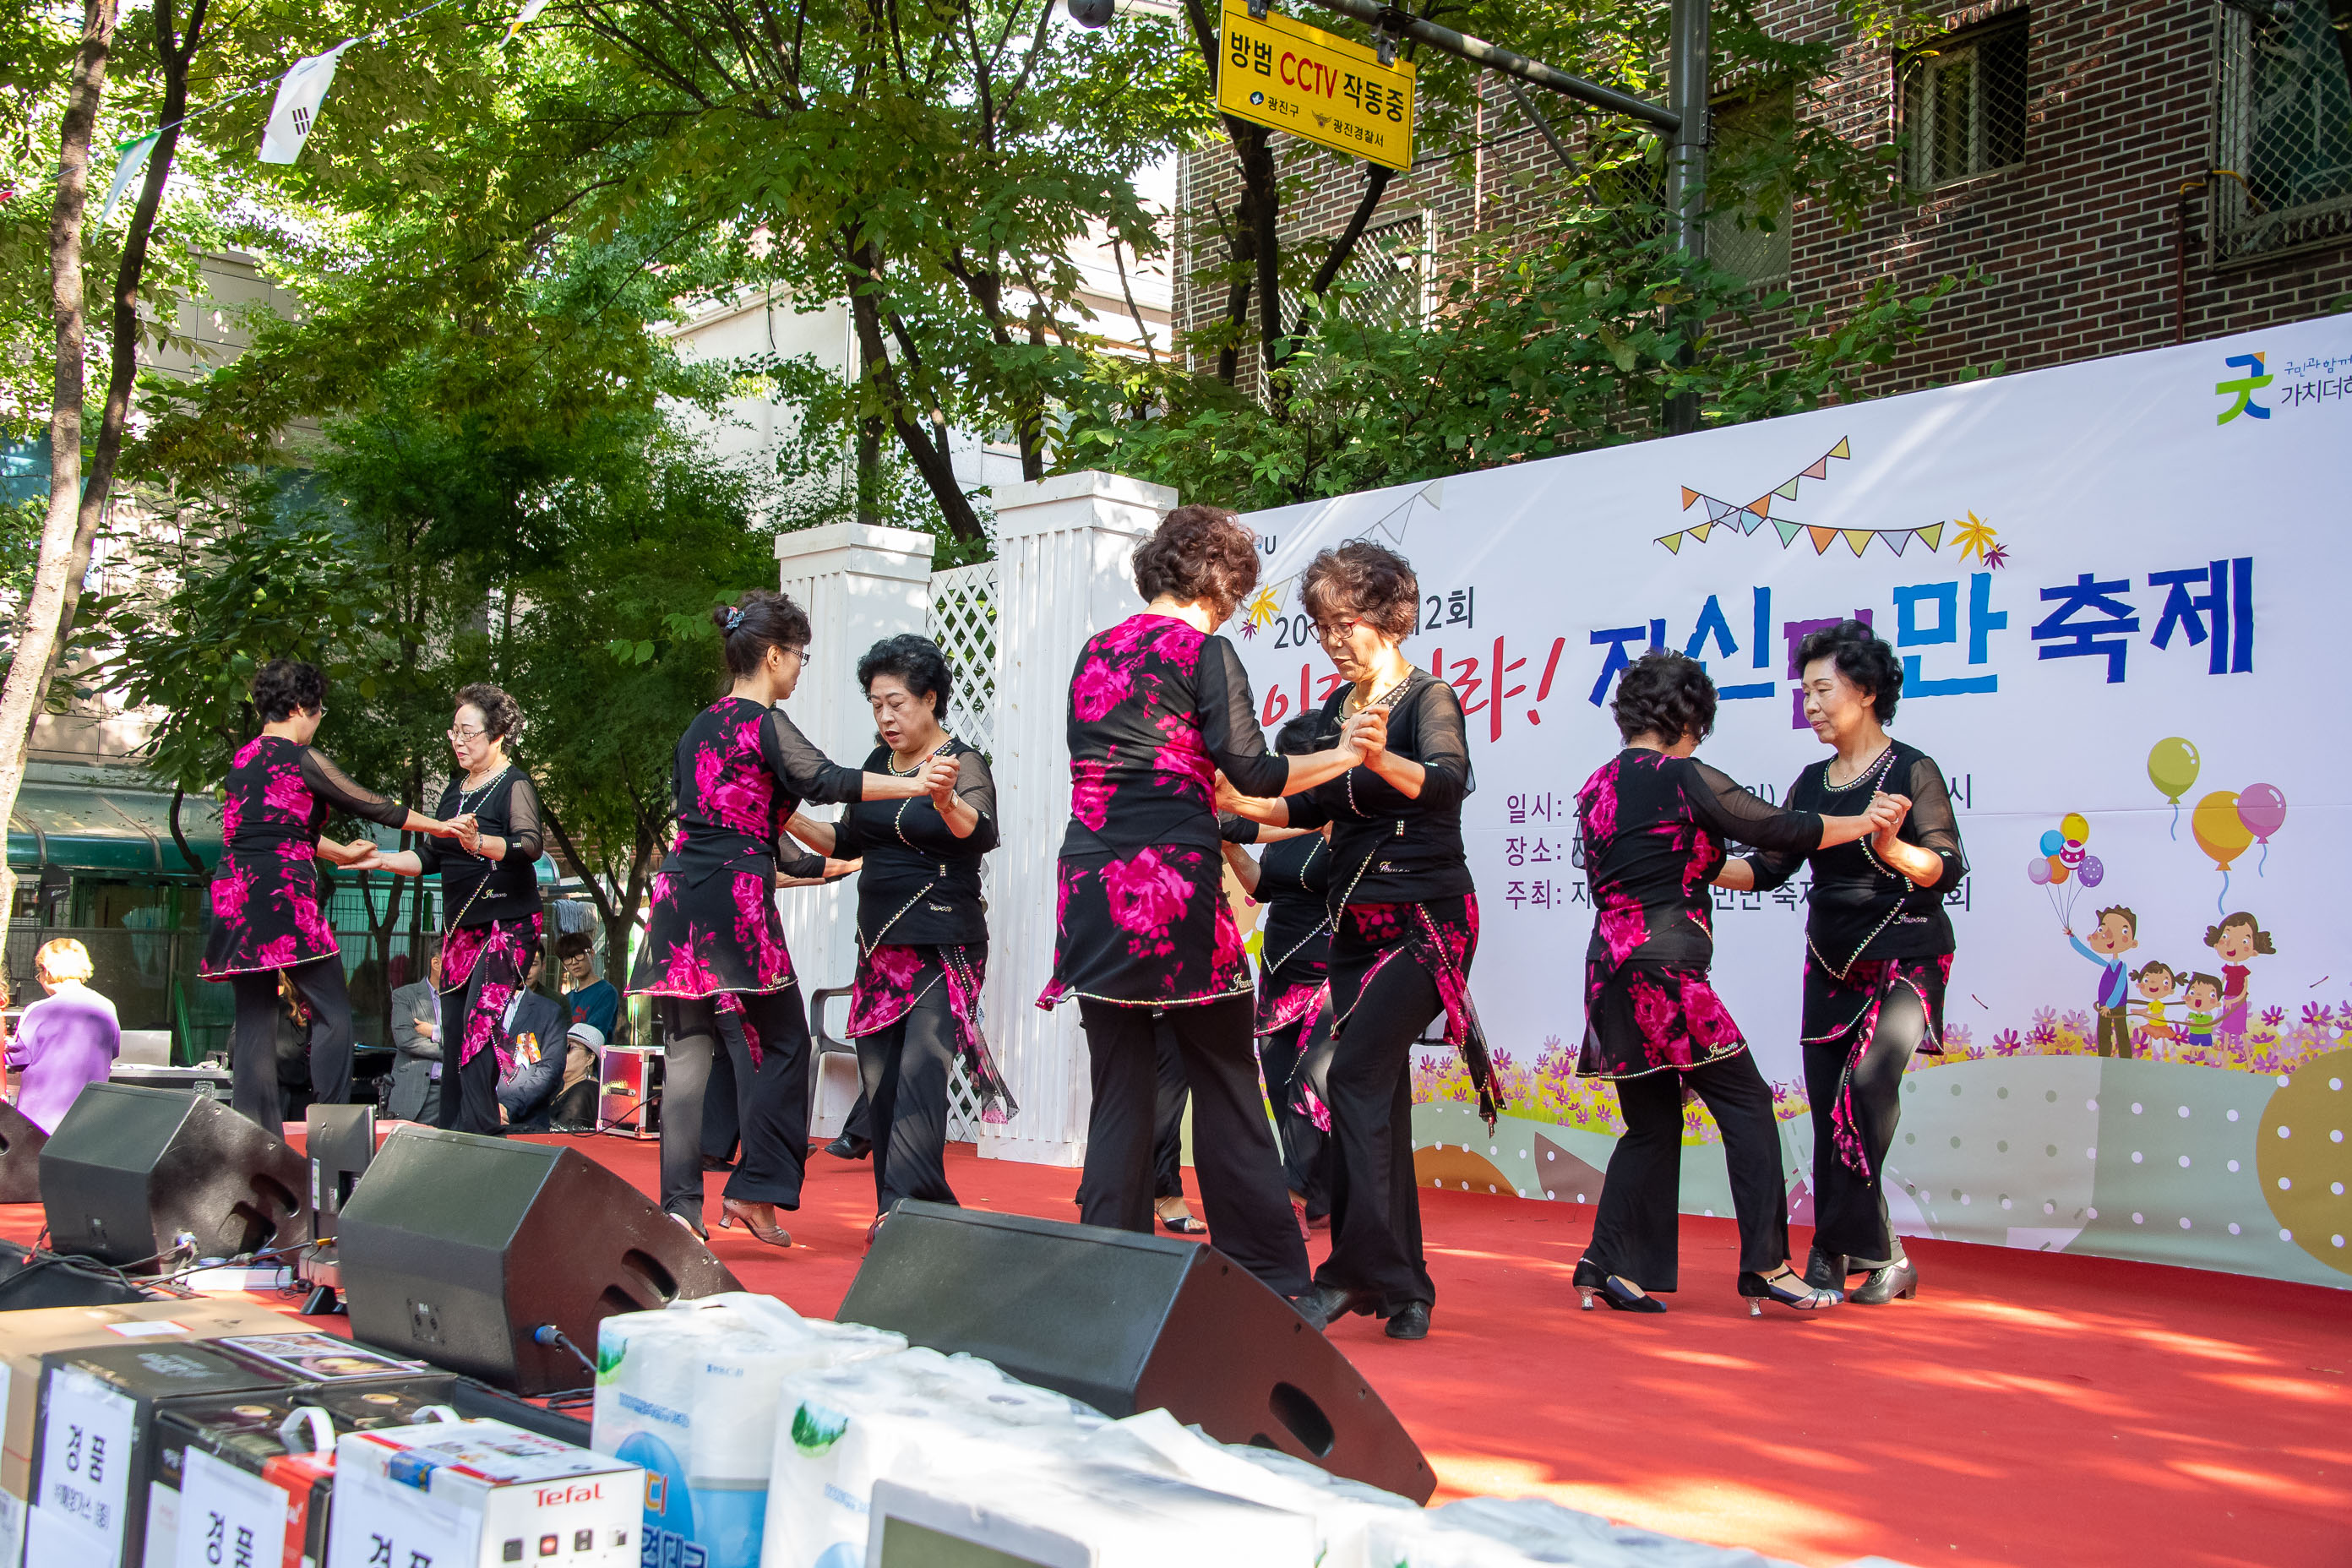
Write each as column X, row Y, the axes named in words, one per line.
column 1315, row 85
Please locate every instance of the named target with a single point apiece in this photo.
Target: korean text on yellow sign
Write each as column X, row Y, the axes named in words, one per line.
column 1315, row 84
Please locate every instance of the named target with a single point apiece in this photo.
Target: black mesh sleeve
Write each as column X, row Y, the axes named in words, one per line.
column 1227, row 714
column 1932, row 824
column 810, row 864
column 524, row 842
column 329, row 782
column 1731, row 813
column 846, row 843
column 976, row 787
column 1773, row 868
column 1236, row 829
column 1440, row 744
column 807, row 771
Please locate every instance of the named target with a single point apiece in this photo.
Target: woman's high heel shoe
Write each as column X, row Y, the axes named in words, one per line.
column 1621, row 1295
column 760, row 1219
column 1787, row 1288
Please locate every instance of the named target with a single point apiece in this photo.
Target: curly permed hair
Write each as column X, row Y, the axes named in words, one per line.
column 1361, row 580
column 284, row 687
column 1665, row 694
column 1863, row 657
column 1199, row 553
column 501, row 714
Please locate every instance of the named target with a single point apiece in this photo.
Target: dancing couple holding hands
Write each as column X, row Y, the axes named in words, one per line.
column 1657, row 827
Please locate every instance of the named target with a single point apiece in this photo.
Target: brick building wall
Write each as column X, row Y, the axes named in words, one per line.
column 2076, row 245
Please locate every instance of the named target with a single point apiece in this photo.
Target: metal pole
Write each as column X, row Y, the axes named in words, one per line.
column 1478, row 51
column 1688, row 77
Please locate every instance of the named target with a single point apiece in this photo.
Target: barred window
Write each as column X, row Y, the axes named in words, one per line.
column 1963, row 103
column 1748, row 229
column 2285, row 144
column 1384, row 280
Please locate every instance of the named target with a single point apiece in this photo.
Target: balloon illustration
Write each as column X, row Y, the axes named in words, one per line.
column 2075, row 827
column 2219, row 833
column 2059, row 870
column 2263, row 809
column 2091, row 872
column 2172, row 764
column 2053, row 842
column 2037, row 871
column 2071, row 857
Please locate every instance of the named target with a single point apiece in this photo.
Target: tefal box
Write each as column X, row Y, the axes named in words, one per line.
column 482, row 1494
column 96, row 1453
column 27, row 1337
column 263, row 1465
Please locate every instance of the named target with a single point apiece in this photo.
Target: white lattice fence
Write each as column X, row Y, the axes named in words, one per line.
column 963, row 621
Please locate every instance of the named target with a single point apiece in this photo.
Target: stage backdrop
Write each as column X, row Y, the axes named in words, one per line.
column 2119, row 591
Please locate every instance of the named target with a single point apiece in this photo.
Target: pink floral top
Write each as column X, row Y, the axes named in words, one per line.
column 266, row 896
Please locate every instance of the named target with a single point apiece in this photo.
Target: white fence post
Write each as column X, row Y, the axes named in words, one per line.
column 1062, row 549
column 859, row 583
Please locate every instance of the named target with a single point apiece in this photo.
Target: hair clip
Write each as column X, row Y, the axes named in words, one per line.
column 734, row 618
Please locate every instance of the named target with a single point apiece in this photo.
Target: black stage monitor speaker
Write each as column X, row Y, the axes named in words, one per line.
column 458, row 1249
column 340, row 1141
column 21, row 1141
column 132, row 1175
column 1131, row 1323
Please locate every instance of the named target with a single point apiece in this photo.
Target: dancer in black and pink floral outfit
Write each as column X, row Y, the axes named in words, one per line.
column 922, row 928
column 268, row 900
column 714, row 939
column 1404, row 914
column 1158, row 703
column 489, row 902
column 1653, row 824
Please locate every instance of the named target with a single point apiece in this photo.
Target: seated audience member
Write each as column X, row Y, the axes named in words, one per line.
column 592, row 998
column 583, row 1060
column 417, row 1035
column 68, row 1038
column 534, row 1033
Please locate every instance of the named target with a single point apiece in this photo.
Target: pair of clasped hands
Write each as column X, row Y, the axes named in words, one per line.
column 365, row 855
column 1364, row 736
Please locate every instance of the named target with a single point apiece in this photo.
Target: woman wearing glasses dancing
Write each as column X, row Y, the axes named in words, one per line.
column 1405, row 924
column 489, row 901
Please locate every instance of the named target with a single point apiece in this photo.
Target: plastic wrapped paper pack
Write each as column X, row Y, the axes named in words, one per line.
column 918, row 1416
column 692, row 1393
column 1508, row 1532
column 1066, row 1511
column 1341, row 1510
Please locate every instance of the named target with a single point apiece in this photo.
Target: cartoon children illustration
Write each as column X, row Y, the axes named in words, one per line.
column 2203, row 1002
column 2156, row 980
column 2238, row 938
column 2117, row 934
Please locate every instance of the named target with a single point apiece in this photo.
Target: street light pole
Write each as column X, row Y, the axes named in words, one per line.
column 1689, row 73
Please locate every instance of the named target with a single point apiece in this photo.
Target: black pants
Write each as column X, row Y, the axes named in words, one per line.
column 1366, row 1080
column 722, row 1129
column 1850, row 1208
column 1305, row 1153
column 771, row 1100
column 469, row 1094
column 253, row 1040
column 1233, row 1152
column 1634, row 1232
column 906, row 1070
column 1171, row 1093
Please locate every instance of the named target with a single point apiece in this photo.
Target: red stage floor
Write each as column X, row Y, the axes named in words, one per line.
column 2028, row 1408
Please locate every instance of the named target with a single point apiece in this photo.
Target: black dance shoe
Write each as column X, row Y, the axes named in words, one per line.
column 1896, row 1281
column 1786, row 1288
column 848, row 1148
column 1409, row 1322
column 1337, row 1301
column 1619, row 1294
column 1825, row 1270
column 1310, row 1307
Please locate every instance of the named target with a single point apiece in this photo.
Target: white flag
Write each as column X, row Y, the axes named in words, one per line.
column 524, row 18
column 132, row 159
column 300, row 93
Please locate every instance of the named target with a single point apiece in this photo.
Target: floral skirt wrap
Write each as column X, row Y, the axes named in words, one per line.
column 713, row 933
column 488, row 963
column 892, row 978
column 1147, row 929
column 1845, row 1012
column 1642, row 1017
column 267, row 911
column 1442, row 936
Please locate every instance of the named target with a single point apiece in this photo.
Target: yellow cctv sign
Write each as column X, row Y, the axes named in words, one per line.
column 1315, row 85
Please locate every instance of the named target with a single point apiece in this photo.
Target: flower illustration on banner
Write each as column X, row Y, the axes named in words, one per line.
column 1975, row 537
column 1259, row 613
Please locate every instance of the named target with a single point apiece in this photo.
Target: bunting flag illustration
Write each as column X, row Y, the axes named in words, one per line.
column 131, row 161
column 1739, row 518
column 295, row 112
column 1390, row 526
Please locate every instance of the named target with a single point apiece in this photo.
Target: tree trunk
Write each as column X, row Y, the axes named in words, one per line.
column 196, row 862
column 177, row 53
column 20, row 698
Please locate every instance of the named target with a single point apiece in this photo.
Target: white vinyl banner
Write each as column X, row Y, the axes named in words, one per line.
column 2118, row 590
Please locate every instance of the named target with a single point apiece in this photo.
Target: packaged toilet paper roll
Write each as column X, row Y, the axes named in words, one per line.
column 1517, row 1532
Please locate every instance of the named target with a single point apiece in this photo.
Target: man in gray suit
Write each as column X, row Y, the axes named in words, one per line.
column 415, row 1034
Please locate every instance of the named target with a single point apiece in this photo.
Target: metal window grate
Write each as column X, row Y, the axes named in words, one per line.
column 1964, row 104
column 2285, row 143
column 1384, row 280
column 1749, row 131
column 963, row 623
